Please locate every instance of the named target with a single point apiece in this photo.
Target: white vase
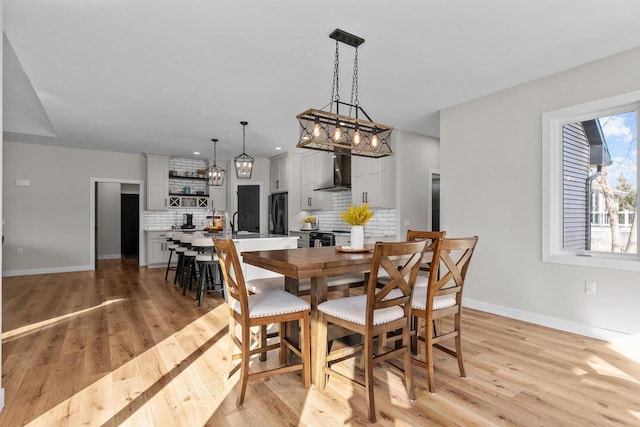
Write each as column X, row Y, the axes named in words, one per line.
column 357, row 236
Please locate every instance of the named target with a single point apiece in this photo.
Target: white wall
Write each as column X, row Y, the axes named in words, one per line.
column 415, row 157
column 1, row 197
column 50, row 220
column 109, row 227
column 491, row 187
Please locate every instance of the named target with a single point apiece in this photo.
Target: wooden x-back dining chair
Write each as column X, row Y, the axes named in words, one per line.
column 441, row 299
column 373, row 315
column 276, row 306
column 414, row 235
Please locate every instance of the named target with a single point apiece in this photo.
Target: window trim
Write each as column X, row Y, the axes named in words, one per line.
column 552, row 122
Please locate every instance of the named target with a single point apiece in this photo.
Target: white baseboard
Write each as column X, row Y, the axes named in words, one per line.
column 112, row 256
column 30, row 272
column 548, row 321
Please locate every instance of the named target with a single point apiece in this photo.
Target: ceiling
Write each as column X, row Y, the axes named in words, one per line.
column 165, row 77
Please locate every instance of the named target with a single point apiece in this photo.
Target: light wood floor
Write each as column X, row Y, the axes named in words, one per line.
column 120, row 346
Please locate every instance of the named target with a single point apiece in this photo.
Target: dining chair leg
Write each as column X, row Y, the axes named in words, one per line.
column 232, row 345
column 305, row 349
column 408, row 372
column 415, row 328
column 322, row 346
column 368, row 377
column 263, row 342
column 244, row 369
column 459, row 347
column 283, row 345
column 429, row 359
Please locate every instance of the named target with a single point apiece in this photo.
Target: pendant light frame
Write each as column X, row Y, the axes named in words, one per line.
column 352, row 134
column 215, row 173
column 243, row 162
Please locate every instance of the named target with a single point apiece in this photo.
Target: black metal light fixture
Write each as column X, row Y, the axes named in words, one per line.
column 354, row 133
column 243, row 162
column 215, row 172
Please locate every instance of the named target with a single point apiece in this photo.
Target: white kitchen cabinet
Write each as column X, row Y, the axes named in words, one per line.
column 157, row 182
column 279, row 177
column 372, row 181
column 157, row 248
column 218, row 197
column 316, row 171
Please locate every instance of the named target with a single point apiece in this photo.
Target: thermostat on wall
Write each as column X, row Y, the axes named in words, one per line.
column 23, row 183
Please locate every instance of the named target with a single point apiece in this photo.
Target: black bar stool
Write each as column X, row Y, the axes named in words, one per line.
column 208, row 267
column 175, row 240
column 185, row 245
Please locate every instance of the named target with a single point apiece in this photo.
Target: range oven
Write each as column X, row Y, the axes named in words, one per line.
column 325, row 238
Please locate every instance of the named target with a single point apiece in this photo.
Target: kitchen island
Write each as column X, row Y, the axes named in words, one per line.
column 158, row 252
column 246, row 242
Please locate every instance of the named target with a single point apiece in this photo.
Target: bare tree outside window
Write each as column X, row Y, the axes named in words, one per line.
column 617, row 185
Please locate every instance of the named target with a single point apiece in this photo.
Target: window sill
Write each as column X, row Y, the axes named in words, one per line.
column 630, row 263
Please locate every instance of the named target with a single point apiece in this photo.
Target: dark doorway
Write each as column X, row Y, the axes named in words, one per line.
column 129, row 222
column 435, row 202
column 249, row 203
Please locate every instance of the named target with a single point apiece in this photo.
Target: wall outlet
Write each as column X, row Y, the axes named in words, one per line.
column 20, row 251
column 406, row 222
column 589, row 287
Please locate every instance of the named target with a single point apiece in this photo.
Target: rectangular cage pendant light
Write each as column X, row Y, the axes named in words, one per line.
column 354, row 133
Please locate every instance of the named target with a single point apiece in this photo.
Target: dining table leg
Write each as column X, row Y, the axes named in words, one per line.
column 318, row 295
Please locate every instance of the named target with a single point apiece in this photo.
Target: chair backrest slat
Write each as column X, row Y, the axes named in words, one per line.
column 401, row 261
column 430, row 237
column 454, row 260
column 232, row 272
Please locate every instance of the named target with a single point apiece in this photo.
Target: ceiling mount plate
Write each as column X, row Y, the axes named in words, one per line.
column 344, row 37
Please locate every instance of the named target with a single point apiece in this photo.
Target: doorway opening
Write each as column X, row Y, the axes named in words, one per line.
column 116, row 220
column 249, row 203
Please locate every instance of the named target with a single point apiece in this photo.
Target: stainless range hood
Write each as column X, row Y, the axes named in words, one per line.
column 341, row 172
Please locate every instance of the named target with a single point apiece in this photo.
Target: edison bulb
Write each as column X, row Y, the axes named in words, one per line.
column 337, row 133
column 357, row 137
column 375, row 141
column 316, row 129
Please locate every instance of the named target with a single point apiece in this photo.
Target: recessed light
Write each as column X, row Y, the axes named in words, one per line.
column 197, row 153
column 278, row 148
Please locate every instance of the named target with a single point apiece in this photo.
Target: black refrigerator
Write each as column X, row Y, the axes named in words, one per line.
column 278, row 218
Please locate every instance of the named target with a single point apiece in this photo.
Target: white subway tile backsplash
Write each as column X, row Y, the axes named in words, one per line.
column 383, row 222
column 166, row 220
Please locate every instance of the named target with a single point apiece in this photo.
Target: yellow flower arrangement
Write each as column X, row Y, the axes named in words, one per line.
column 357, row 215
column 310, row 219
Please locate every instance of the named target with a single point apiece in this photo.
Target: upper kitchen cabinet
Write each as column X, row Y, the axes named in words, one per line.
column 315, row 172
column 218, row 197
column 279, row 176
column 157, row 182
column 372, row 181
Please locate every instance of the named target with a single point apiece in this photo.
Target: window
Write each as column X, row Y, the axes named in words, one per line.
column 590, row 182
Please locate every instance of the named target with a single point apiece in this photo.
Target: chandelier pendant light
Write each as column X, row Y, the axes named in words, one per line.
column 243, row 162
column 215, row 173
column 349, row 132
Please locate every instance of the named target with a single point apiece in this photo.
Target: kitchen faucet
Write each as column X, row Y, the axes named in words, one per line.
column 233, row 221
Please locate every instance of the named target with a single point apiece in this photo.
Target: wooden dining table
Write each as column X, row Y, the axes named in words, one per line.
column 317, row 264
